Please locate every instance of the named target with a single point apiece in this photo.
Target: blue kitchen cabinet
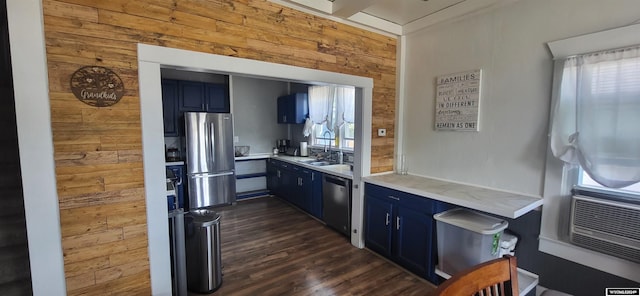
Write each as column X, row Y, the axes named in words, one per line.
column 293, row 108
column 217, row 98
column 179, row 96
column 378, row 214
column 304, row 190
column 203, row 97
column 281, row 179
column 316, row 194
column 414, row 231
column 192, row 96
column 288, row 183
column 273, row 177
column 180, row 172
column 400, row 226
column 300, row 186
column 170, row 107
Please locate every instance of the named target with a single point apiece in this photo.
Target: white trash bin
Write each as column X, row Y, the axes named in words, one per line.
column 466, row 238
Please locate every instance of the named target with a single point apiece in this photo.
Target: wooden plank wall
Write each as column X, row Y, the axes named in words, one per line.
column 98, row 151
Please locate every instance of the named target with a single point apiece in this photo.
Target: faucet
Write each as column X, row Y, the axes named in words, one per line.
column 325, row 146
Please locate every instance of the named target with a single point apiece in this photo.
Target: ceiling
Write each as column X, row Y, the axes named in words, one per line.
column 398, row 17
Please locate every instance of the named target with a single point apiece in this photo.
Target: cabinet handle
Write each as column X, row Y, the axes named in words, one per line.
column 386, row 222
column 398, row 223
column 393, row 197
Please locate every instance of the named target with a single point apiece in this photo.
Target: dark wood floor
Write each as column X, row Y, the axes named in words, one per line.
column 271, row 248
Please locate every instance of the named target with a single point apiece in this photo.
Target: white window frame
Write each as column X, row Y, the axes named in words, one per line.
column 560, row 178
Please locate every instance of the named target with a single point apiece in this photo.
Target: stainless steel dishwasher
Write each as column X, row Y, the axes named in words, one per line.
column 336, row 199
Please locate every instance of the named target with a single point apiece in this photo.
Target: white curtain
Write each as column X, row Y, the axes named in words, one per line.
column 345, row 105
column 321, row 104
column 331, row 105
column 595, row 120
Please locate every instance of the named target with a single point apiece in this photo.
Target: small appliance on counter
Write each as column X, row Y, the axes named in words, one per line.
column 283, row 145
column 173, row 154
column 242, row 151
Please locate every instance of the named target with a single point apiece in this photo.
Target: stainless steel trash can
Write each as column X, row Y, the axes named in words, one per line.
column 204, row 259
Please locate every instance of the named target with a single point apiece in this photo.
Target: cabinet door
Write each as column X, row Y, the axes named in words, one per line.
column 378, row 223
column 192, row 96
column 413, row 231
column 284, row 113
column 306, row 190
column 293, row 108
column 288, row 184
column 272, row 176
column 299, row 109
column 316, row 194
column 170, row 107
column 217, row 99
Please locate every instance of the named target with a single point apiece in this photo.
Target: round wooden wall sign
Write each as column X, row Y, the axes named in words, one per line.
column 97, row 86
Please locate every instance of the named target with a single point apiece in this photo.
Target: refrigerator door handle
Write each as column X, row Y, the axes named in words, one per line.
column 211, row 175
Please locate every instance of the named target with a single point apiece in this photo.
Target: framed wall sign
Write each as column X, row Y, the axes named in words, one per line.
column 97, row 86
column 457, row 101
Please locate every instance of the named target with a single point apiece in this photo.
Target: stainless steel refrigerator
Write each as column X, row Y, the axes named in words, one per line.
column 209, row 159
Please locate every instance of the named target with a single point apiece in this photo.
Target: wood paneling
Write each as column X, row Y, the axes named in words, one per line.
column 98, row 151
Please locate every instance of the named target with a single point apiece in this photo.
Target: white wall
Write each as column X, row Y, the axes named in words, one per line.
column 255, row 112
column 509, row 45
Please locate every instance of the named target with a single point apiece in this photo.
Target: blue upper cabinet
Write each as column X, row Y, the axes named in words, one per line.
column 180, row 96
column 203, row 97
column 217, row 98
column 192, row 96
column 293, row 108
column 170, row 107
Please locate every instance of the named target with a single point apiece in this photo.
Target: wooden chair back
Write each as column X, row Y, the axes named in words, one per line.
column 498, row 277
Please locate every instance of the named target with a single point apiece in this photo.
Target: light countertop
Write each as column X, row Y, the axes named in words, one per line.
column 254, row 156
column 340, row 170
column 506, row 204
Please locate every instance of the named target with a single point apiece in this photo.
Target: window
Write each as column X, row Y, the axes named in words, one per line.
column 332, row 111
column 586, row 183
column 596, row 119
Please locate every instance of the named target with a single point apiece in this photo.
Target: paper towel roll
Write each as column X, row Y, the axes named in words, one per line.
column 303, row 149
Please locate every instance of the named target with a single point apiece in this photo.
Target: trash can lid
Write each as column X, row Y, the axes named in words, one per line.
column 176, row 212
column 204, row 217
column 471, row 220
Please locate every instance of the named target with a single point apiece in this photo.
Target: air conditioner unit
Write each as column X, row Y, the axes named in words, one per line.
column 606, row 226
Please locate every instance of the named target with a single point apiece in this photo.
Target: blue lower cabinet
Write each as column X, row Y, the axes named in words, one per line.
column 316, row 194
column 413, row 244
column 400, row 226
column 297, row 185
column 180, row 172
column 378, row 215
